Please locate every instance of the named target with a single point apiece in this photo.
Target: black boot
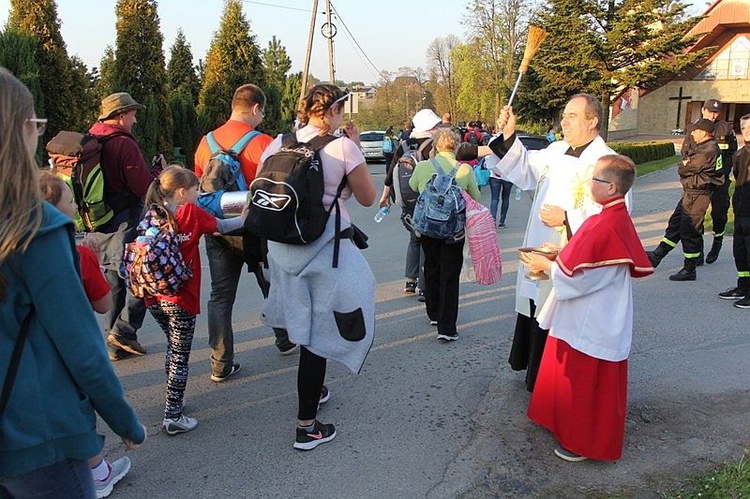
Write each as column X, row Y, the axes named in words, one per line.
column 713, row 254
column 659, row 253
column 687, row 272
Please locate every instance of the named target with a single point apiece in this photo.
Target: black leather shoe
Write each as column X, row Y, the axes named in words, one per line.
column 683, row 275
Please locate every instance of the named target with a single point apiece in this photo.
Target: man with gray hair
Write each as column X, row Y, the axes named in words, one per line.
column 126, row 180
column 560, row 174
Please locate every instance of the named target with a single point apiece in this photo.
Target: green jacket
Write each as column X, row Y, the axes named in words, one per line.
column 447, row 160
column 64, row 373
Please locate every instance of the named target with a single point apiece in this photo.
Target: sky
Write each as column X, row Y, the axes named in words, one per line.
column 381, row 35
column 388, row 31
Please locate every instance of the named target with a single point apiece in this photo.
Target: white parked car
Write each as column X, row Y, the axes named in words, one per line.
column 372, row 144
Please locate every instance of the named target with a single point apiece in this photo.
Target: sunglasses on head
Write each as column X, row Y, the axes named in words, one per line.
column 342, row 98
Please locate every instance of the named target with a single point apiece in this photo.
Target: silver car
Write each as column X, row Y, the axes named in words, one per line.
column 372, row 144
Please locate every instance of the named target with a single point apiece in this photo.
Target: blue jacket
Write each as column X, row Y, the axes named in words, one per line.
column 64, row 374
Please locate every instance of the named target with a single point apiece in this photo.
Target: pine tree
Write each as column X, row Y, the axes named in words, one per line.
column 18, row 55
column 183, row 87
column 276, row 64
column 105, row 83
column 604, row 46
column 85, row 105
column 181, row 73
column 38, row 19
column 140, row 70
column 233, row 59
column 290, row 100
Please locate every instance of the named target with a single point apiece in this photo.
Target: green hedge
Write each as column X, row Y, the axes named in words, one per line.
column 641, row 152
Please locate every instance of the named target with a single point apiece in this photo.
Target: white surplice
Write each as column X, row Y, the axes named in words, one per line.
column 559, row 180
column 592, row 311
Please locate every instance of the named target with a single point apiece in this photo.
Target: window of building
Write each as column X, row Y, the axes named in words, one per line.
column 733, row 63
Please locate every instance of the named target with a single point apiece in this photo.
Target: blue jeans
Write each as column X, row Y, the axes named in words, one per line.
column 496, row 187
column 225, row 267
column 70, row 478
column 127, row 313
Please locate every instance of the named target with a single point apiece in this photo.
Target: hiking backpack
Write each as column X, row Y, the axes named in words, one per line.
column 406, row 197
column 77, row 159
column 286, row 197
column 222, row 173
column 440, row 212
column 153, row 264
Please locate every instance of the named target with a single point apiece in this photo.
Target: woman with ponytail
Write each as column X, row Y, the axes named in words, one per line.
column 329, row 312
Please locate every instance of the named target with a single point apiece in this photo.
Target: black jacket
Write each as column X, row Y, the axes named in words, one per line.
column 698, row 170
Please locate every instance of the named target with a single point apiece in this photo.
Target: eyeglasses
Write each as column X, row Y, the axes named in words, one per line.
column 600, row 180
column 41, row 124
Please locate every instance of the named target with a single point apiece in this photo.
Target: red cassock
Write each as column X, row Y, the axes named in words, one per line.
column 580, row 398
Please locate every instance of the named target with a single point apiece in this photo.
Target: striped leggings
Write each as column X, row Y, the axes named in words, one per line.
column 179, row 326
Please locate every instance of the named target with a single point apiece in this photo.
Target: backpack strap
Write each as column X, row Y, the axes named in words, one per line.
column 316, row 144
column 236, row 150
column 424, row 145
column 15, row 360
column 238, row 146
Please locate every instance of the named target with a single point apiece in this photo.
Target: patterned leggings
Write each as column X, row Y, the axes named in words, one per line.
column 179, row 326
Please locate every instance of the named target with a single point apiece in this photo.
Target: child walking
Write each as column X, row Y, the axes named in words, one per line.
column 95, row 285
column 173, row 195
column 581, row 390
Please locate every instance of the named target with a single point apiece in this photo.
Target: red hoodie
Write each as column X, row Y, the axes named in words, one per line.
column 125, row 171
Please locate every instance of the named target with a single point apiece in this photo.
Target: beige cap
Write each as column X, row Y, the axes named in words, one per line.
column 117, row 103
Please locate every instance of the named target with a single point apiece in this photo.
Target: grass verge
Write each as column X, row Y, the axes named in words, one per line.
column 732, row 480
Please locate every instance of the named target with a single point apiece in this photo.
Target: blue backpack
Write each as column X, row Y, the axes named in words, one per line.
column 387, row 145
column 440, row 212
column 222, row 173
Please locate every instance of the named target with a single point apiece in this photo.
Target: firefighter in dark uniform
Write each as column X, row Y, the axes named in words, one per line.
column 727, row 141
column 741, row 205
column 699, row 177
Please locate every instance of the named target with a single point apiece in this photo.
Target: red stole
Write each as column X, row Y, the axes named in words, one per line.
column 608, row 238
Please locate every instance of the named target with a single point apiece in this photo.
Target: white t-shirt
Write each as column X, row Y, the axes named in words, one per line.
column 339, row 158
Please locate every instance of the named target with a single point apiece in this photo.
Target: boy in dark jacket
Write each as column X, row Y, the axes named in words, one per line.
column 699, row 177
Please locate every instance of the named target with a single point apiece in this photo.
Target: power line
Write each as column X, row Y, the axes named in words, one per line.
column 361, row 52
column 277, row 6
column 358, row 48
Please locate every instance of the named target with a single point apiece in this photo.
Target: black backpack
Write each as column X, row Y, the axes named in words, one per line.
column 286, row 197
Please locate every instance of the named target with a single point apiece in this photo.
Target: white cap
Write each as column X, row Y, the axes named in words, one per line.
column 425, row 120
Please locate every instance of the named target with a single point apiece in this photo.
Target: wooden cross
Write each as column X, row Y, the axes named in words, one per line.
column 679, row 98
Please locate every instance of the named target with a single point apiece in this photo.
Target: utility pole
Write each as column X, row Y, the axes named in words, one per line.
column 330, row 35
column 306, row 70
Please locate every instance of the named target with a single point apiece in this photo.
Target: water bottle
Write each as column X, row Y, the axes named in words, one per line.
column 518, row 193
column 380, row 215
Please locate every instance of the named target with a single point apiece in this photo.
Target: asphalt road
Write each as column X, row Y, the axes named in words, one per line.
column 428, row 419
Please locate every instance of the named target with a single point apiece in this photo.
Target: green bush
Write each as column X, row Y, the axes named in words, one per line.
column 642, row 152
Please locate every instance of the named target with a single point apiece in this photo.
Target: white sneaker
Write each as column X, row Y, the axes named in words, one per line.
column 117, row 469
column 179, row 425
